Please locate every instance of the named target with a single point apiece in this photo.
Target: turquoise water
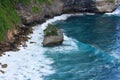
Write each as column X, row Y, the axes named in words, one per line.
column 94, row 52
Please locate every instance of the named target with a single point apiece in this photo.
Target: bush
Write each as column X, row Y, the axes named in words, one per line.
column 51, row 30
column 112, row 1
column 35, row 9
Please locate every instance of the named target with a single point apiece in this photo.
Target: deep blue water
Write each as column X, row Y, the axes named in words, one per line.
column 97, row 38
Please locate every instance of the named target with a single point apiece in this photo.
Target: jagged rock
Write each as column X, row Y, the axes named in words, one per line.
column 53, row 40
column 2, row 71
column 4, row 65
column 100, row 6
column 58, row 7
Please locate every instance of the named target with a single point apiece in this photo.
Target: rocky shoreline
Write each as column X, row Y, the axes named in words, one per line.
column 18, row 36
column 17, row 39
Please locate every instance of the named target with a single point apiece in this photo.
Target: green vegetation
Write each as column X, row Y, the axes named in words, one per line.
column 35, row 9
column 43, row 1
column 51, row 30
column 112, row 1
column 26, row 2
column 8, row 17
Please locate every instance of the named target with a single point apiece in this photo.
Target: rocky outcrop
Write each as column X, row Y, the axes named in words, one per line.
column 58, row 7
column 106, row 5
column 14, row 38
column 99, row 6
column 53, row 40
column 79, row 6
column 44, row 12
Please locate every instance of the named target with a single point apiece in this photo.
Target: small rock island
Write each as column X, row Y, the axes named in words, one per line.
column 52, row 36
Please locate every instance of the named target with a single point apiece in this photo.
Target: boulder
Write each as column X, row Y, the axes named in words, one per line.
column 53, row 40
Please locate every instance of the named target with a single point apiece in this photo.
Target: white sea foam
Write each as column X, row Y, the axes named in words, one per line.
column 115, row 55
column 68, row 45
column 30, row 63
column 116, row 12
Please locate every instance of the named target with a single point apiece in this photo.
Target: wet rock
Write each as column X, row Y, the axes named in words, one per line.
column 24, row 44
column 4, row 65
column 53, row 40
column 2, row 71
column 14, row 38
column 32, row 42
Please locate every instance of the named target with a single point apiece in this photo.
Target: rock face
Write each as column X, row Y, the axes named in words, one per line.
column 58, row 7
column 106, row 5
column 90, row 5
column 14, row 38
column 79, row 5
column 53, row 40
column 45, row 11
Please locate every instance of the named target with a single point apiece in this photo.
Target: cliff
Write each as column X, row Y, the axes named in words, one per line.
column 17, row 14
column 57, row 7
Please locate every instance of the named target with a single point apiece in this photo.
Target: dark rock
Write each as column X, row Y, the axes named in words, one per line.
column 4, row 65
column 2, row 71
column 53, row 40
column 32, row 42
column 24, row 44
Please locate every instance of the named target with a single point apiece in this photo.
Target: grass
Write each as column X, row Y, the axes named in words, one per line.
column 26, row 2
column 51, row 30
column 112, row 1
column 35, row 9
column 43, row 1
column 9, row 17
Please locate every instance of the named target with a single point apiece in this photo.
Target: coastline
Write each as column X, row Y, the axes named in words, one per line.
column 22, row 36
column 29, row 56
column 23, row 31
column 29, row 18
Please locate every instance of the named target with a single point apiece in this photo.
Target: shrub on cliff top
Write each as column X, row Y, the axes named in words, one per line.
column 35, row 9
column 112, row 1
column 51, row 30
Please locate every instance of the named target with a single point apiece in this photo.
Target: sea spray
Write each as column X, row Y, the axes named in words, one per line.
column 30, row 63
column 115, row 13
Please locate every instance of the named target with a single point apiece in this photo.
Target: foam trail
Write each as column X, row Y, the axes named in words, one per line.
column 68, row 45
column 116, row 12
column 57, row 18
column 30, row 63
